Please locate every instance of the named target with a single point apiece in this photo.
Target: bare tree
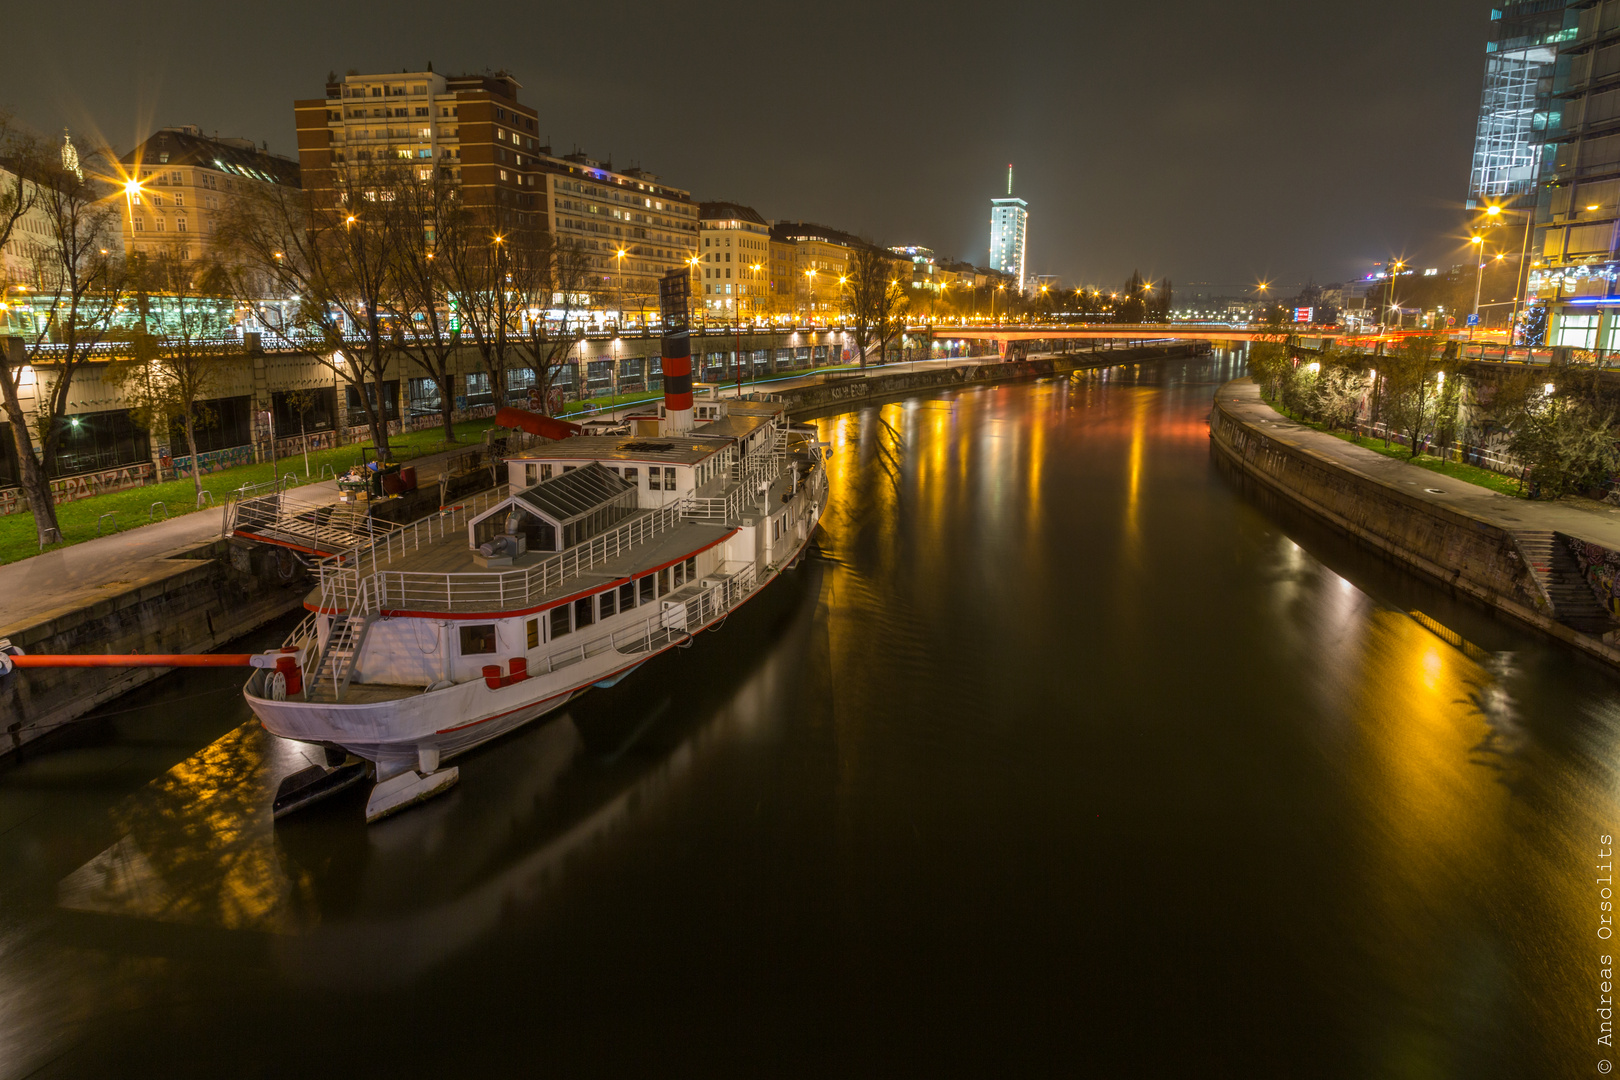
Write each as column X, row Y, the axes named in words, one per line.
column 428, row 215
column 180, row 366
column 876, row 300
column 329, row 266
column 479, row 259
column 549, row 278
column 1419, row 399
column 78, row 278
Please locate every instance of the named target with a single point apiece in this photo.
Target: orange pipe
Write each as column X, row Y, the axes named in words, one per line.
column 135, row 660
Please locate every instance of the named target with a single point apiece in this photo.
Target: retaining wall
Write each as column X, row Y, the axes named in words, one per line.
column 225, row 591
column 1469, row 554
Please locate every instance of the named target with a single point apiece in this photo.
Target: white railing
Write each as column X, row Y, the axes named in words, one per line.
column 340, row 574
column 668, row 624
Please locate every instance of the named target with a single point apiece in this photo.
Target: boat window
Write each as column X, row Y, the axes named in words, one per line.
column 680, row 574
column 669, row 479
column 632, row 475
column 531, row 475
column 559, row 622
column 652, row 480
column 582, row 611
column 691, row 568
column 649, row 589
column 569, row 468
column 627, row 596
column 663, row 582
column 545, row 473
column 606, row 605
column 478, row 640
column 534, row 633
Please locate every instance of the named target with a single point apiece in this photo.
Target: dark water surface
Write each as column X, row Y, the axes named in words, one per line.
column 1069, row 755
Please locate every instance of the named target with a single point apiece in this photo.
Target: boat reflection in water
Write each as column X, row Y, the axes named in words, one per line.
column 200, row 849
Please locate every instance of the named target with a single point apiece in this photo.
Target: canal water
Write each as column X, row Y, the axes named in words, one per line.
column 1067, row 754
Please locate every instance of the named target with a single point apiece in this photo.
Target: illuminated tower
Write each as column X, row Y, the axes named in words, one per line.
column 1009, row 224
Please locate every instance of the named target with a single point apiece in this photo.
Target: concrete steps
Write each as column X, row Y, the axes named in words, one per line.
column 1555, row 567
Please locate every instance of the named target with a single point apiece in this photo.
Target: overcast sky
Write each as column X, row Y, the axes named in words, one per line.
column 1210, row 142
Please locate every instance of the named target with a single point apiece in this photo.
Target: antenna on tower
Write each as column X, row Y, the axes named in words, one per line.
column 1009, row 178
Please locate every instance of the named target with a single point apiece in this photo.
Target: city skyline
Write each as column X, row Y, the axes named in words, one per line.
column 1125, row 185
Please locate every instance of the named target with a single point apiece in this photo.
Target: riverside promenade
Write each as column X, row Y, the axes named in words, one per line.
column 1552, row 565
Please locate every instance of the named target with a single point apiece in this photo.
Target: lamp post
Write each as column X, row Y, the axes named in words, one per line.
column 1479, row 280
column 618, row 279
column 1394, row 269
column 1519, row 277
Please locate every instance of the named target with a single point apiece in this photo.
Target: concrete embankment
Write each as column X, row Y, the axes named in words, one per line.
column 841, row 393
column 206, row 598
column 1469, row 540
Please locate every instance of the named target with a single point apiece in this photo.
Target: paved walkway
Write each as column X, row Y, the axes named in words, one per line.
column 78, row 576
column 1599, row 525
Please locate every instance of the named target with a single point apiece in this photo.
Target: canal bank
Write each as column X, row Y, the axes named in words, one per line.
column 1550, row 566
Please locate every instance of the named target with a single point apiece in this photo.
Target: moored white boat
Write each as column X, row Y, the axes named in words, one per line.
column 597, row 554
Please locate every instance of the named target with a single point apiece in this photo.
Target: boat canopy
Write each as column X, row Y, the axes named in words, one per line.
column 558, row 513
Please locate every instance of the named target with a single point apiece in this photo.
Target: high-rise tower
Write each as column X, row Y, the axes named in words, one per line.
column 1515, row 101
column 1009, row 225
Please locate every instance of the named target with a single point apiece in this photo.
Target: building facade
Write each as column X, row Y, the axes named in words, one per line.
column 1514, row 110
column 1574, row 268
column 629, row 226
column 734, row 272
column 183, row 179
column 821, row 267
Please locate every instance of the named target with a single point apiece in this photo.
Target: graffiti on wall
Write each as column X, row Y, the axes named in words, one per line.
column 214, row 460
column 69, row 488
column 1601, row 568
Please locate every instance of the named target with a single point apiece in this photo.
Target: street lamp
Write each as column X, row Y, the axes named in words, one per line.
column 1394, row 270
column 618, row 277
column 1479, row 280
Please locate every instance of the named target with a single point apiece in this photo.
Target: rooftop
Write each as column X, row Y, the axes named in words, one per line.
column 670, row 450
column 187, row 145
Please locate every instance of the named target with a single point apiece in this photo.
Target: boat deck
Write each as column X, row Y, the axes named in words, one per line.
column 441, row 576
column 362, row 693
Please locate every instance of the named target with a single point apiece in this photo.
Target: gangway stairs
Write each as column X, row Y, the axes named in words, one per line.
column 314, row 529
column 334, row 668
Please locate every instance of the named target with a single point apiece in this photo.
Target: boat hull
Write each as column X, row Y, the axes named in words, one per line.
column 419, row 731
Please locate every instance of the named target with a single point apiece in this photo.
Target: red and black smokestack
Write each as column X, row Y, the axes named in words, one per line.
column 674, row 295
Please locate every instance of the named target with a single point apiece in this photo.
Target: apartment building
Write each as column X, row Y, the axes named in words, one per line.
column 821, row 265
column 733, row 272
column 473, row 130
column 631, row 227
column 183, row 179
column 469, row 128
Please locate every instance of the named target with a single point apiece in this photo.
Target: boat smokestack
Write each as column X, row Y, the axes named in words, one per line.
column 674, row 292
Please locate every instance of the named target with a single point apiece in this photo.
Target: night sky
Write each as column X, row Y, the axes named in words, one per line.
column 1216, row 143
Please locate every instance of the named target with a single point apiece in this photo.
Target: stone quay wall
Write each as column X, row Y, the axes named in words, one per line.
column 1465, row 553
column 222, row 592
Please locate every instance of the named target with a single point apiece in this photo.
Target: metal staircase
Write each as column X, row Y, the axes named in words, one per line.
column 336, row 664
column 1556, row 570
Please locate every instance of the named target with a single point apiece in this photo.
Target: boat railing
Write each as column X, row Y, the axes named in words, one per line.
column 410, row 590
column 701, row 609
column 342, row 575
